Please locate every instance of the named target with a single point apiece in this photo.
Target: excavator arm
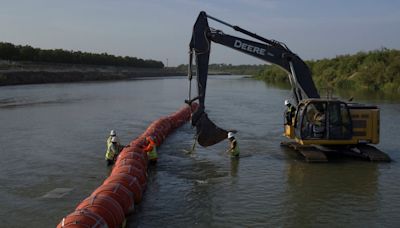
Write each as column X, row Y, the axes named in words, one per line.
column 271, row 51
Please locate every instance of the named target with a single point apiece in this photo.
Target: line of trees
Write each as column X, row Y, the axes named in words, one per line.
column 227, row 68
column 9, row 51
column 377, row 70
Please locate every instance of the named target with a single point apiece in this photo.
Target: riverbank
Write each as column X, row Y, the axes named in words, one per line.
column 376, row 71
column 18, row 73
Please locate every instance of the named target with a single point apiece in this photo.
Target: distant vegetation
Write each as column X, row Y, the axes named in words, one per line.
column 228, row 68
column 9, row 51
column 377, row 70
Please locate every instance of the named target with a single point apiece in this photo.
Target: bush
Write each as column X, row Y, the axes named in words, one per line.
column 13, row 52
column 377, row 70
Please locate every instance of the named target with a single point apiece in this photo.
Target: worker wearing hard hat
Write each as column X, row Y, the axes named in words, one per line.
column 290, row 112
column 151, row 149
column 113, row 133
column 234, row 147
column 112, row 151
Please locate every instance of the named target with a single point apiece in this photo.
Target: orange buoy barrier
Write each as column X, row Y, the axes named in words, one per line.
column 141, row 175
column 106, row 207
column 109, row 203
column 82, row 218
column 130, row 161
column 118, row 192
column 140, row 157
column 133, row 148
column 129, row 182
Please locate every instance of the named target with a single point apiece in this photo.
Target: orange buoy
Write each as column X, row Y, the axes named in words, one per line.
column 130, row 161
column 133, row 171
column 118, row 192
column 141, row 157
column 162, row 126
column 139, row 142
column 82, row 218
column 132, row 148
column 106, row 207
column 130, row 182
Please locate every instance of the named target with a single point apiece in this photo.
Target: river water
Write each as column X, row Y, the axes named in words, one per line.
column 53, row 137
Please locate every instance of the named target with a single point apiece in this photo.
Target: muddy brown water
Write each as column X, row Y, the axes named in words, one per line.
column 53, row 143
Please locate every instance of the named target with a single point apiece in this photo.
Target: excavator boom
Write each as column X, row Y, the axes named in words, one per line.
column 271, row 51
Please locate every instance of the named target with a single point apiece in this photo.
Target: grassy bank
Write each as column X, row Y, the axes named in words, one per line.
column 23, row 64
column 377, row 70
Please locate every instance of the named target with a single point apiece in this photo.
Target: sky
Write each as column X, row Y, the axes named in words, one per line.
column 161, row 29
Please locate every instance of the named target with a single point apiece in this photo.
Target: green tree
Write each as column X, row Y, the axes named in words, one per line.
column 10, row 51
column 374, row 70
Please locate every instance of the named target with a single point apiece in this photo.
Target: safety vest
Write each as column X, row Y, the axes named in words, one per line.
column 109, row 140
column 153, row 154
column 290, row 112
column 151, row 150
column 235, row 151
column 112, row 150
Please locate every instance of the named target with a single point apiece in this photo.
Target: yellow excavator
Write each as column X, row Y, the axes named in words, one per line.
column 318, row 127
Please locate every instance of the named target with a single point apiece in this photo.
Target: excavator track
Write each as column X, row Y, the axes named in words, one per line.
column 373, row 153
column 321, row 154
column 310, row 153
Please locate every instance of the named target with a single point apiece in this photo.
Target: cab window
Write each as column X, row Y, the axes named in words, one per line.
column 314, row 121
column 339, row 121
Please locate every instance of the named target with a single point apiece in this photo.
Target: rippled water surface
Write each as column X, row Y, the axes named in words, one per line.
column 53, row 136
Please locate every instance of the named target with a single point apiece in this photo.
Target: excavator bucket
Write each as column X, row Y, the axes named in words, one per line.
column 208, row 133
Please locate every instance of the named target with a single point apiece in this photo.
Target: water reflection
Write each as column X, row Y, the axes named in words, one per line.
column 357, row 95
column 317, row 194
column 234, row 166
column 26, row 101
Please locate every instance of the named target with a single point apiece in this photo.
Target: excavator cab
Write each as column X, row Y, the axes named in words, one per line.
column 319, row 120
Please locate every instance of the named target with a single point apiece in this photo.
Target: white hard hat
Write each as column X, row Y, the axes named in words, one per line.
column 230, row 135
column 287, row 102
column 113, row 133
column 114, row 139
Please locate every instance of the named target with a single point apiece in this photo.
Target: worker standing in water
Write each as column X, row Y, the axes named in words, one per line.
column 113, row 133
column 234, row 147
column 290, row 111
column 151, row 150
column 112, row 150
